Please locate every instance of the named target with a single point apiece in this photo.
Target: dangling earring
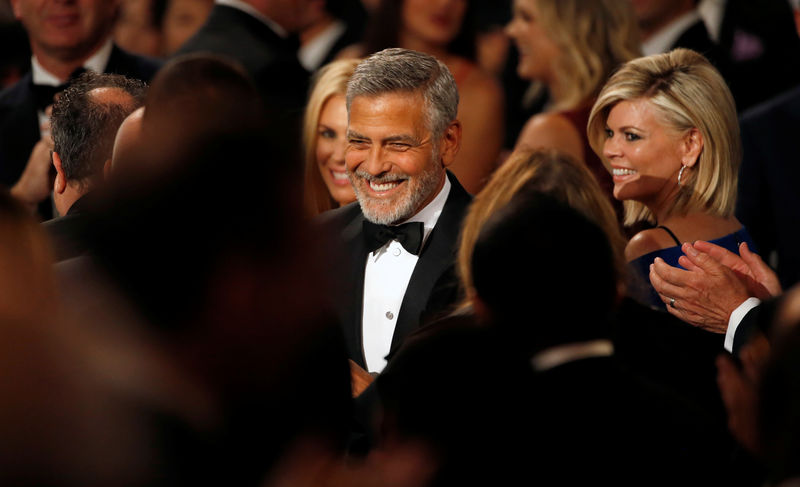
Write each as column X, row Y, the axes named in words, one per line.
column 680, row 174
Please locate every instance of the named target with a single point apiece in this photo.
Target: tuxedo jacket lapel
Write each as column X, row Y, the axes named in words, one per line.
column 19, row 129
column 131, row 66
column 353, row 292
column 436, row 259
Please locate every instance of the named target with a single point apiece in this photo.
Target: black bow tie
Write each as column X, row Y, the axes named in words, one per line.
column 408, row 234
column 45, row 94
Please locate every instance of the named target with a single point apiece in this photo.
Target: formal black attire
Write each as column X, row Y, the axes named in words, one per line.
column 19, row 122
column 596, row 421
column 270, row 59
column 68, row 232
column 19, row 119
column 761, row 42
column 433, row 286
column 769, row 202
column 696, row 38
column 760, row 318
column 493, row 419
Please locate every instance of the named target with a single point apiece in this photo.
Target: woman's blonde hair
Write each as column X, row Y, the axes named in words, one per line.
column 550, row 172
column 330, row 80
column 595, row 37
column 687, row 92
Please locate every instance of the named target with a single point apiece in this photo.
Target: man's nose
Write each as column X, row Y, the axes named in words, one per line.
column 377, row 161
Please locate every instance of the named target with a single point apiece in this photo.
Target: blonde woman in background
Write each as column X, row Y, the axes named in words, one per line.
column 666, row 127
column 325, row 139
column 570, row 47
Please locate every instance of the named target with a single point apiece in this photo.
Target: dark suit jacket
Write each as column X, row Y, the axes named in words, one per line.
column 68, row 232
column 595, row 414
column 761, row 42
column 769, row 200
column 270, row 60
column 19, row 124
column 696, row 38
column 470, row 392
column 667, row 351
column 759, row 319
column 433, row 286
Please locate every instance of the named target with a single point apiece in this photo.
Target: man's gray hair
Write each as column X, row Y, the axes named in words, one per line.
column 404, row 70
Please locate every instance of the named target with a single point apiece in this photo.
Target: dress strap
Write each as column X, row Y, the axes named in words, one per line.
column 677, row 242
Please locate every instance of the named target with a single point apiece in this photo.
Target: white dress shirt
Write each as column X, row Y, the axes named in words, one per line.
column 663, row 40
column 736, row 317
column 314, row 51
column 712, row 12
column 386, row 278
column 97, row 63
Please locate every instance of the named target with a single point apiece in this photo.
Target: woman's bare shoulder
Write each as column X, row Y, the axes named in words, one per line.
column 647, row 241
column 553, row 131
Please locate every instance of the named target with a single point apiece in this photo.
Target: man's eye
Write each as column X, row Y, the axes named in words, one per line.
column 630, row 136
column 357, row 143
column 398, row 146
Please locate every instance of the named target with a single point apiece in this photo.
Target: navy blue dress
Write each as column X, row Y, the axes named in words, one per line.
column 640, row 267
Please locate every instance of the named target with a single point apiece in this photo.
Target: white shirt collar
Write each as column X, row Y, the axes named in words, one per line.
column 429, row 215
column 562, row 354
column 663, row 40
column 313, row 52
column 97, row 62
column 249, row 9
column 712, row 12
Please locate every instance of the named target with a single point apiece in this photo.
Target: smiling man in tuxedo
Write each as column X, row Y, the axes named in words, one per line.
column 400, row 237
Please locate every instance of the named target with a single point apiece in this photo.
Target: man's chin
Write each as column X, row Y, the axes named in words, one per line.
column 383, row 212
column 382, row 216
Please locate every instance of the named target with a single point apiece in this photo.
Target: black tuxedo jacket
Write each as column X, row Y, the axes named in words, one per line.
column 769, row 201
column 759, row 319
column 270, row 60
column 761, row 42
column 697, row 39
column 69, row 232
column 433, row 286
column 617, row 427
column 19, row 123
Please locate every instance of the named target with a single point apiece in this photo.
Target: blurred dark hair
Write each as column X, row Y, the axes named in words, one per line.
column 383, row 30
column 545, row 272
column 202, row 92
column 212, row 254
column 83, row 128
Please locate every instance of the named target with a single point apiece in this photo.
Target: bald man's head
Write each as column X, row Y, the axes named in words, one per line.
column 85, row 121
column 129, row 137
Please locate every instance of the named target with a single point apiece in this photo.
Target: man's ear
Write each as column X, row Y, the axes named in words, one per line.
column 692, row 147
column 60, row 183
column 450, row 143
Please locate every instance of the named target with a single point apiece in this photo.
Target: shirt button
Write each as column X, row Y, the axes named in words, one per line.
column 396, row 251
column 389, row 315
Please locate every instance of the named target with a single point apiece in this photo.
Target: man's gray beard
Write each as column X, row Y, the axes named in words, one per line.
column 419, row 189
